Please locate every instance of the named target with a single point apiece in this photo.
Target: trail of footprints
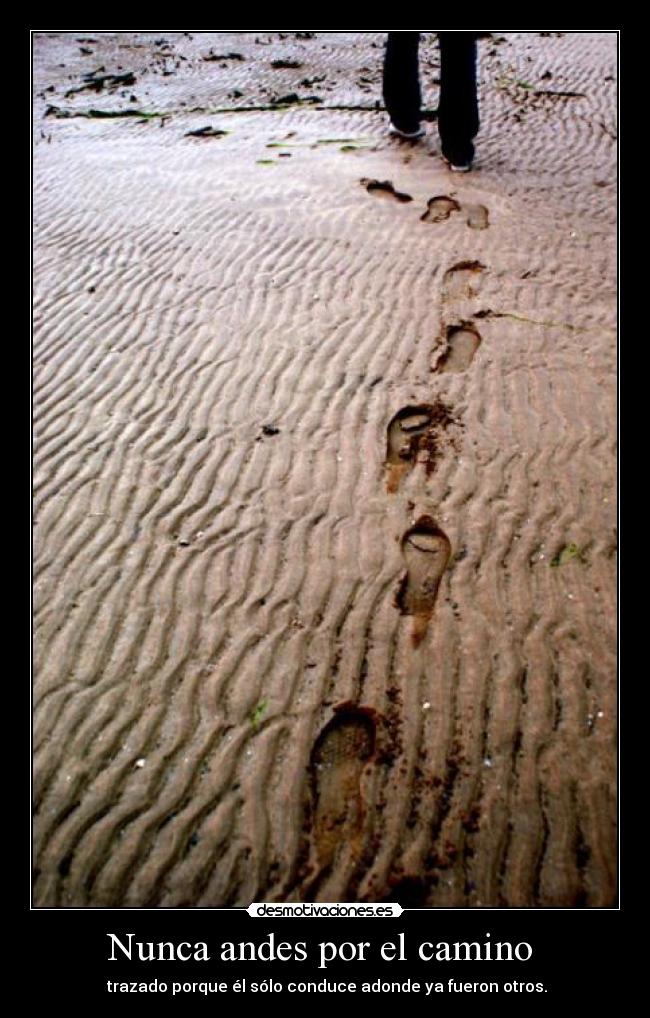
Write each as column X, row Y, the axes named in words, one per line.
column 348, row 742
column 442, row 207
column 439, row 208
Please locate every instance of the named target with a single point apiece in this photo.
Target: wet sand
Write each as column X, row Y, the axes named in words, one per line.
column 325, row 518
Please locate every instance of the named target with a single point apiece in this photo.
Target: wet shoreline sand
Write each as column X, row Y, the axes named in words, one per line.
column 324, row 480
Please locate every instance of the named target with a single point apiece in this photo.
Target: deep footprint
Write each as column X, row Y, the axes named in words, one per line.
column 439, row 209
column 426, row 551
column 384, row 189
column 414, row 435
column 477, row 217
column 405, row 432
column 339, row 755
column 462, row 343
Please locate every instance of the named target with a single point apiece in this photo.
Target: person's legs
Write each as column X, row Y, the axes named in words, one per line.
column 402, row 81
column 458, row 121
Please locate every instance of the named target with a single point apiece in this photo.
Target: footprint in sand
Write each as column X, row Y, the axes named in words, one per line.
column 384, row 189
column 414, row 436
column 340, row 753
column 462, row 343
column 477, row 216
column 426, row 551
column 439, row 209
column 442, row 206
column 462, row 280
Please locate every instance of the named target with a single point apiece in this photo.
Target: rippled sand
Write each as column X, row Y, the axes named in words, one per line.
column 325, row 520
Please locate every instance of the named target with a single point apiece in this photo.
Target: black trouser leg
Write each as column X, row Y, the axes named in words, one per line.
column 402, row 80
column 458, row 121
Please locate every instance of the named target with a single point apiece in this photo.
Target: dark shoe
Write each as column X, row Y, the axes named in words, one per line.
column 459, row 156
column 411, row 134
